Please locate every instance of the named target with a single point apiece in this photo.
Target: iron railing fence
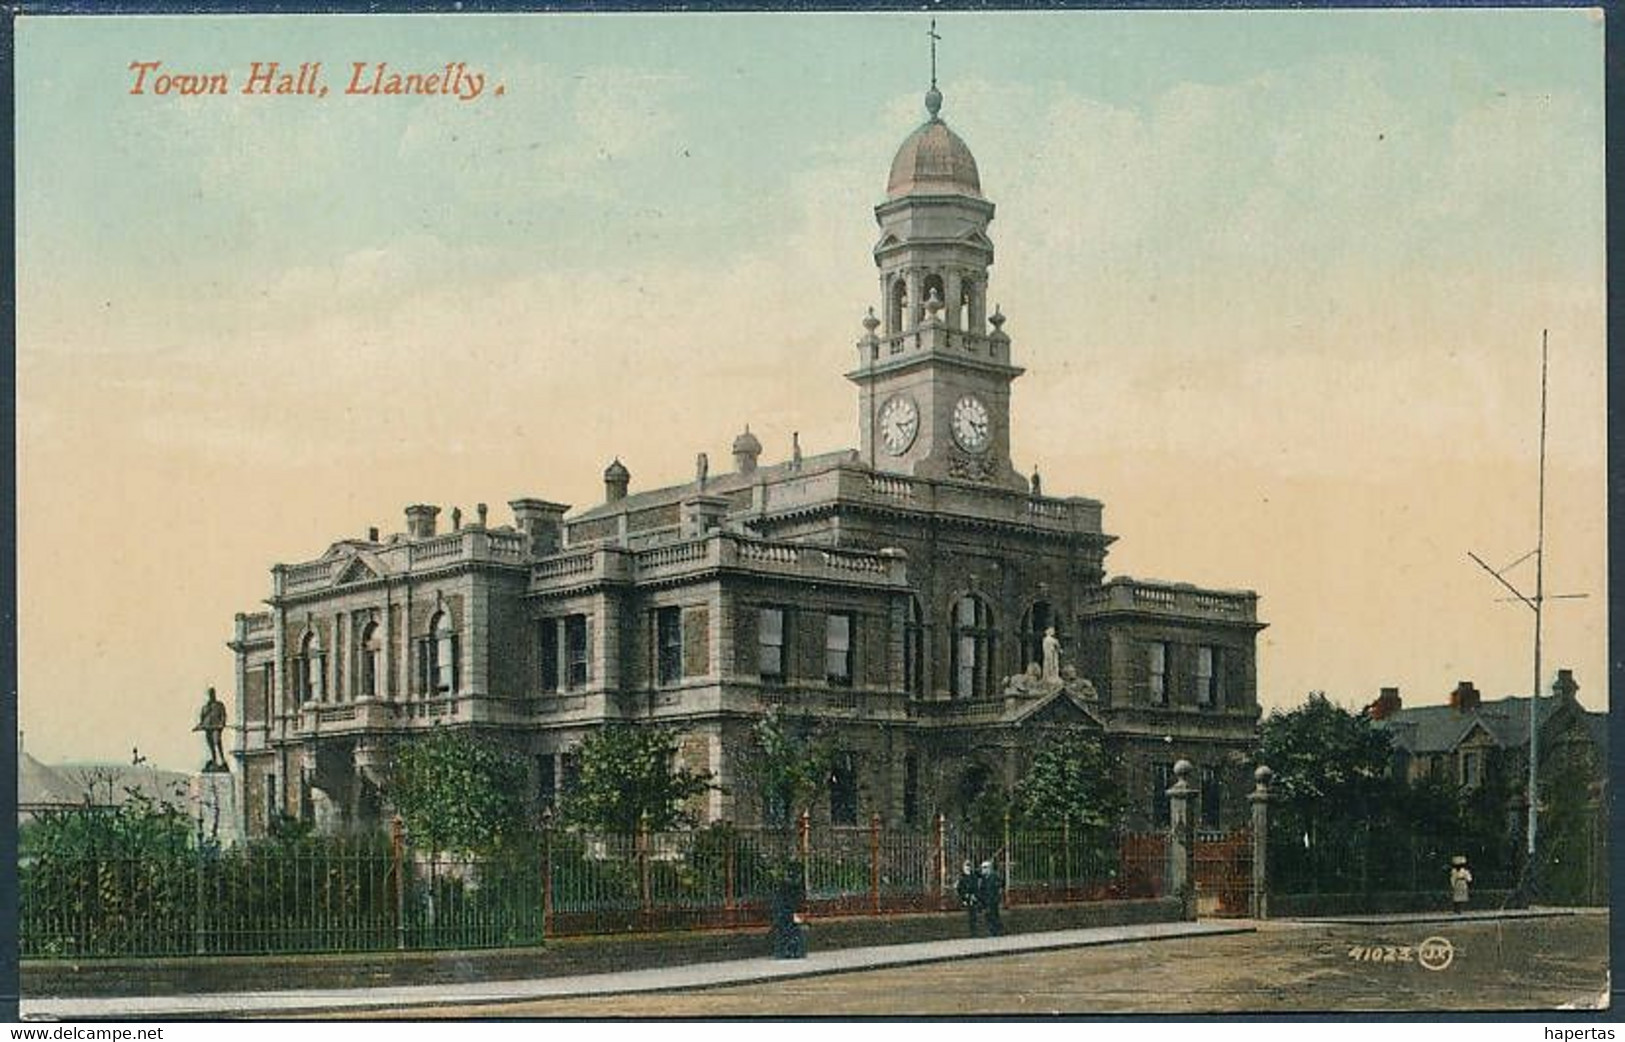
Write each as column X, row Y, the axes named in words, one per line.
column 1371, row 860
column 324, row 897
column 376, row 894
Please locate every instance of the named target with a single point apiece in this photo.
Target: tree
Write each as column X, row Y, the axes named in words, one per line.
column 456, row 792
column 629, row 777
column 1333, row 792
column 788, row 763
column 1071, row 780
column 1325, row 758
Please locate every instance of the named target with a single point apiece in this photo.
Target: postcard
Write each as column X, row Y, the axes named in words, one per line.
column 811, row 514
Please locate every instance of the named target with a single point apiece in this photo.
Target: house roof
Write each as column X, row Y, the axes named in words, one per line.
column 1439, row 729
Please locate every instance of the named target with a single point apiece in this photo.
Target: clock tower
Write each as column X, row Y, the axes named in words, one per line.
column 934, row 368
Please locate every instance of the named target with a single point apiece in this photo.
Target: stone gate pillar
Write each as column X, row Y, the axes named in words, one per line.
column 1260, row 799
column 1182, row 839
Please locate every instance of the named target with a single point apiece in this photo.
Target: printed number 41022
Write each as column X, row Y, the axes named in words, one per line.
column 1382, row 953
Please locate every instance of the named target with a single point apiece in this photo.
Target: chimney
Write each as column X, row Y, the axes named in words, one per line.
column 1387, row 704
column 372, row 534
column 1465, row 698
column 701, row 514
column 481, row 511
column 747, row 449
column 1564, row 687
column 542, row 521
column 616, row 481
column 420, row 520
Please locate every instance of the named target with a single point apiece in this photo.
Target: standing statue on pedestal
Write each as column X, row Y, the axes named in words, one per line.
column 1052, row 657
column 212, row 722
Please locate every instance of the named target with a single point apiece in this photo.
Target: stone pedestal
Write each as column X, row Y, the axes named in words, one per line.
column 213, row 803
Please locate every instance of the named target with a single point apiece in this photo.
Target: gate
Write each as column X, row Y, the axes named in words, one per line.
column 1224, row 873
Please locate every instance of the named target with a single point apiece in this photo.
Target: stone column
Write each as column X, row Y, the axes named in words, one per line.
column 951, row 293
column 1260, row 799
column 1182, row 839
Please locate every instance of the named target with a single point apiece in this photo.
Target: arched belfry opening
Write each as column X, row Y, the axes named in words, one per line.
column 933, row 289
column 897, row 306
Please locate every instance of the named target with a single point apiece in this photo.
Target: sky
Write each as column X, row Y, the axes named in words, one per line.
column 1279, row 281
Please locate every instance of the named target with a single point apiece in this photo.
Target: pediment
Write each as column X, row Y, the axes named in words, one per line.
column 1064, row 708
column 358, row 570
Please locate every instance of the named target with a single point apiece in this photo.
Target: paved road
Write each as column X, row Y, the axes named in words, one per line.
column 1511, row 964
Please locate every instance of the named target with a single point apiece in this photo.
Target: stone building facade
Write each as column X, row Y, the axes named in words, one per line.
column 897, row 594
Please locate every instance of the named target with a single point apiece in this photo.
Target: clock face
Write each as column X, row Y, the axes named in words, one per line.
column 899, row 422
column 972, row 426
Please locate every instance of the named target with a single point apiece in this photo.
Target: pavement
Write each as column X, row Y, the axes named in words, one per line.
column 1400, row 918
column 404, row 998
column 225, row 1005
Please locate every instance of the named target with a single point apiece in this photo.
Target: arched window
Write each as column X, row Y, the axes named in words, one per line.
column 972, row 648
column 439, row 665
column 914, row 649
column 897, row 306
column 1039, row 618
column 309, row 670
column 371, row 656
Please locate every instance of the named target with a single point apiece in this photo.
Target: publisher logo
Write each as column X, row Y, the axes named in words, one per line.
column 1436, row 953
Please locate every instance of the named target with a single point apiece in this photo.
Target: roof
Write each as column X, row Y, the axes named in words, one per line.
column 40, row 785
column 107, row 784
column 934, row 160
column 718, row 485
column 1439, row 729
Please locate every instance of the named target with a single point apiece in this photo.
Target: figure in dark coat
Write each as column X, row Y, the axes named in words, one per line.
column 967, row 890
column 990, row 896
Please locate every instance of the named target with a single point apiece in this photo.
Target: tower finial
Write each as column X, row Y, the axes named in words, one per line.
column 933, row 97
column 932, row 33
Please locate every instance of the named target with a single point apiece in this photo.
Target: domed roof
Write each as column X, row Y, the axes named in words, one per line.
column 617, row 471
column 747, row 443
column 934, row 160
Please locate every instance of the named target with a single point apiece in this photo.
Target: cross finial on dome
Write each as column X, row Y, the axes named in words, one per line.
column 933, row 97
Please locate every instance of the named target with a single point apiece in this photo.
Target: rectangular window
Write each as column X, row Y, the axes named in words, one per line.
column 269, row 673
column 838, row 649
column 770, row 643
column 911, row 789
column 1471, row 769
column 1162, row 779
column 270, row 801
column 669, row 644
column 547, row 781
column 1159, row 673
column 547, row 646
column 576, row 651
column 843, row 790
column 1212, row 797
column 1206, row 681
column 569, row 772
